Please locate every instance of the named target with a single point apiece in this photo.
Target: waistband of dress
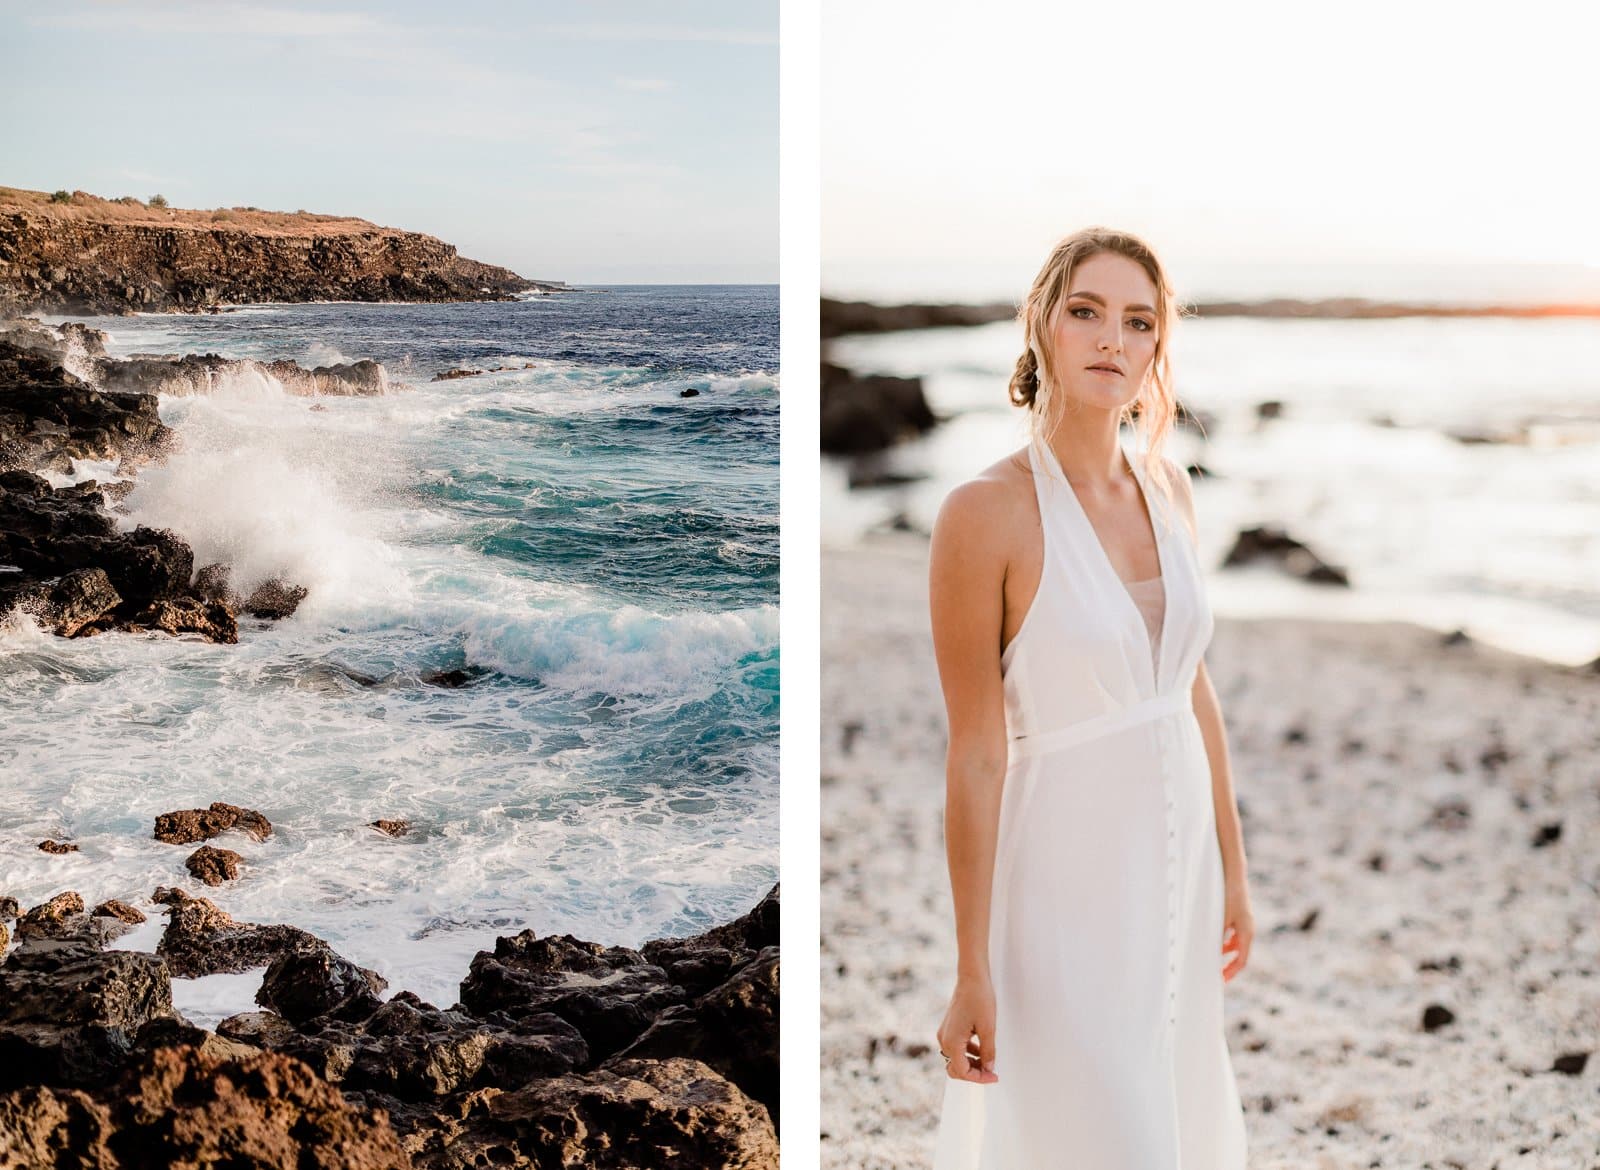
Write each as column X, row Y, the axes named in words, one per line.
column 1026, row 746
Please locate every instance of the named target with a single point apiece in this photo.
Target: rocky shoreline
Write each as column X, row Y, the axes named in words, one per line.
column 560, row 1053
column 77, row 253
column 64, row 558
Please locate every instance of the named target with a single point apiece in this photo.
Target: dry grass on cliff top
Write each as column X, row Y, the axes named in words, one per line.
column 87, row 208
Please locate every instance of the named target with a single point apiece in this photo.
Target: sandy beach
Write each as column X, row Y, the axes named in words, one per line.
column 1416, row 814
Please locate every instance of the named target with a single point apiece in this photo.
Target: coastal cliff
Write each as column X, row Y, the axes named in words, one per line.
column 79, row 253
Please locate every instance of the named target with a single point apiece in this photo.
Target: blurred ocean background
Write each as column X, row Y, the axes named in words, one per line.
column 1451, row 465
column 595, row 550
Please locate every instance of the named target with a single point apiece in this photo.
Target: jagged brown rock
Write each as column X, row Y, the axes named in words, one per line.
column 51, row 846
column 212, row 865
column 200, row 939
column 393, row 828
column 303, row 985
column 112, row 908
column 186, row 826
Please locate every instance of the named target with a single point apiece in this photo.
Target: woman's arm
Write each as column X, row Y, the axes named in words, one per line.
column 1239, row 923
column 966, row 579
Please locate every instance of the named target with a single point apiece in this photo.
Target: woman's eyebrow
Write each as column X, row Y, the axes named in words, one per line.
column 1100, row 300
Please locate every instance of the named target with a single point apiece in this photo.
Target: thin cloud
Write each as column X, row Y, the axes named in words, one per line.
column 644, row 84
column 661, row 32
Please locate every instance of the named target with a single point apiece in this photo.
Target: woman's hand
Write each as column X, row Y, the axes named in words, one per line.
column 1238, row 927
column 967, row 1034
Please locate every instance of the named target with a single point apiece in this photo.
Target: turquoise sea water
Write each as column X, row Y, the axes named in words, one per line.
column 597, row 551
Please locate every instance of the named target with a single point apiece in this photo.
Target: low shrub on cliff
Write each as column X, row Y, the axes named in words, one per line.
column 158, row 201
column 130, row 200
column 61, row 197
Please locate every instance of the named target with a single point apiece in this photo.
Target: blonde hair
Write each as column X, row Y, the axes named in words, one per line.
column 1156, row 407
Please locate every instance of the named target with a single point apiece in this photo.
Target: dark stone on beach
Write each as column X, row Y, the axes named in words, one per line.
column 610, row 994
column 121, row 911
column 49, row 846
column 1547, row 835
column 69, row 1011
column 274, row 600
column 863, row 414
column 397, row 828
column 1272, row 408
column 302, row 985
column 690, row 392
column 186, row 826
column 733, row 1028
column 1570, row 1064
column 1436, row 1016
column 628, row 1114
column 213, row 866
column 203, row 940
column 1273, row 544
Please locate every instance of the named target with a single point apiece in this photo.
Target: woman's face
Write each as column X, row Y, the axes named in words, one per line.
column 1105, row 332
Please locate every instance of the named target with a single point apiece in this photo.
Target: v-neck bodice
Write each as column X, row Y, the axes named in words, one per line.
column 1092, row 644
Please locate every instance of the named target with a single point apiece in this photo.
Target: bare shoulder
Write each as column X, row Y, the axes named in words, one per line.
column 987, row 512
column 1182, row 489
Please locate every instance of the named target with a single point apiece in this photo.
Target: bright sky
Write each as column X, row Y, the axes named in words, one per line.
column 971, row 136
column 624, row 141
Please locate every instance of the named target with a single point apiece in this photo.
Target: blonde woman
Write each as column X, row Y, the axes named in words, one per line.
column 1096, row 862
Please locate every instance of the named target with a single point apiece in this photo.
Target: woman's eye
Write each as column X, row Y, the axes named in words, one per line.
column 1144, row 326
column 1083, row 309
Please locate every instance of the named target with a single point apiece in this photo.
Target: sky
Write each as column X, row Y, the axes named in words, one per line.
column 605, row 142
column 964, row 139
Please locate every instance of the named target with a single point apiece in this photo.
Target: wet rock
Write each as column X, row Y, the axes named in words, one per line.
column 452, row 375
column 69, row 1011
column 50, row 917
column 702, row 962
column 121, row 911
column 610, row 994
column 732, row 1028
column 1547, row 835
column 212, row 620
column 203, row 940
column 186, row 826
column 1271, row 408
column 690, row 392
column 629, row 1114
column 396, row 828
column 9, row 907
column 213, row 866
column 1276, row 545
column 302, row 985
column 211, row 583
column 49, row 415
column 49, row 846
column 274, row 600
column 863, row 414
column 452, row 679
column 71, row 604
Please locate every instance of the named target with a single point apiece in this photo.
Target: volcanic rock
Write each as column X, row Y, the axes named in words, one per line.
column 213, row 866
column 49, row 846
column 395, row 828
column 862, row 414
column 302, row 985
column 1273, row 544
column 203, row 940
column 112, row 908
column 186, row 826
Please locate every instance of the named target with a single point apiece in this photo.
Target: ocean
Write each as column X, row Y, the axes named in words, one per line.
column 1371, row 461
column 597, row 551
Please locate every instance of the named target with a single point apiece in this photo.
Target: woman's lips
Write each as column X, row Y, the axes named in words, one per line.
column 1105, row 370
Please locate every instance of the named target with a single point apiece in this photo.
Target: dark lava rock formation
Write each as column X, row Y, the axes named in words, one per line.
column 186, row 826
column 862, row 414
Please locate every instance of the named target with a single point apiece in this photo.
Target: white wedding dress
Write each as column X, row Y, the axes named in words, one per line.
column 1106, row 921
